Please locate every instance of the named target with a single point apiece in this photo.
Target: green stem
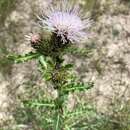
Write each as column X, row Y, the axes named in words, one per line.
column 59, row 100
column 57, row 122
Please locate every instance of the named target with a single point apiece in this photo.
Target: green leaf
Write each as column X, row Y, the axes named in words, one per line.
column 43, row 62
column 80, row 116
column 23, row 58
column 39, row 104
column 78, row 51
column 57, row 122
column 68, row 66
column 45, row 67
column 67, row 127
column 77, row 87
column 47, row 76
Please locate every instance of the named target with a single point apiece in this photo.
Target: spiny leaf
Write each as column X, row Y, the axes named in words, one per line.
column 80, row 115
column 38, row 104
column 77, row 87
column 78, row 51
column 23, row 58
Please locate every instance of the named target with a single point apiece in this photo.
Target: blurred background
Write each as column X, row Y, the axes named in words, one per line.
column 108, row 66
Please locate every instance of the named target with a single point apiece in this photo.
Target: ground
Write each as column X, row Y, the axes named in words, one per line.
column 108, row 66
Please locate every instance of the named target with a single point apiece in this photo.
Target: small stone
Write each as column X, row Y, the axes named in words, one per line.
column 117, row 27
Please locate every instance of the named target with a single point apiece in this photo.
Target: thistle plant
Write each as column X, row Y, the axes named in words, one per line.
column 67, row 26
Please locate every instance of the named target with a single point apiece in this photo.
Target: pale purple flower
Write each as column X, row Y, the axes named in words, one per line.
column 67, row 21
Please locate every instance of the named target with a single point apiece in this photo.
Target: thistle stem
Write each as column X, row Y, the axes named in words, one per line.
column 59, row 100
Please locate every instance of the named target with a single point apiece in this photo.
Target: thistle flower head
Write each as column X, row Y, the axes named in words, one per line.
column 67, row 21
column 33, row 38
